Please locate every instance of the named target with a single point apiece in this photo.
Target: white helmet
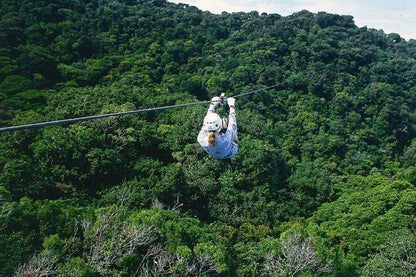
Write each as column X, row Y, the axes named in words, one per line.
column 212, row 122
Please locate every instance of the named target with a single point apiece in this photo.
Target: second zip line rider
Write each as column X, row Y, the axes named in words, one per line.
column 217, row 143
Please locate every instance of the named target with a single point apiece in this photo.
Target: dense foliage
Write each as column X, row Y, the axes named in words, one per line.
column 323, row 183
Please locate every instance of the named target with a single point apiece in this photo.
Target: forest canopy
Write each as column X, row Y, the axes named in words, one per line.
column 326, row 168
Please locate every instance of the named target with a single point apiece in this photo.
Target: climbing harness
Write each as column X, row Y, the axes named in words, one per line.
column 93, row 117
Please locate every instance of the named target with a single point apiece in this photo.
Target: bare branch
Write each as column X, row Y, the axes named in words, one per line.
column 111, row 238
column 86, row 225
column 160, row 262
column 177, row 205
column 295, row 255
column 37, row 266
column 205, row 264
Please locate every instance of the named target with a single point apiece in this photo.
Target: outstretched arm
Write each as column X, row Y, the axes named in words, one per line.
column 232, row 117
column 215, row 101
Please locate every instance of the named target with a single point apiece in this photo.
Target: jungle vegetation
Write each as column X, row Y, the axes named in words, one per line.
column 323, row 183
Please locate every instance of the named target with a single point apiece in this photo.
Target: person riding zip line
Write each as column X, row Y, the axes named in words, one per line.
column 220, row 145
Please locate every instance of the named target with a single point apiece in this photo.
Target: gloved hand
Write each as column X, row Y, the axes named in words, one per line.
column 215, row 101
column 231, row 102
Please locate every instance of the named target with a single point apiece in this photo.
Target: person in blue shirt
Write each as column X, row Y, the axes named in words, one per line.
column 218, row 144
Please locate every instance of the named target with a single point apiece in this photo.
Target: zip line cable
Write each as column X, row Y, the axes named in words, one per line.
column 93, row 117
column 257, row 90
